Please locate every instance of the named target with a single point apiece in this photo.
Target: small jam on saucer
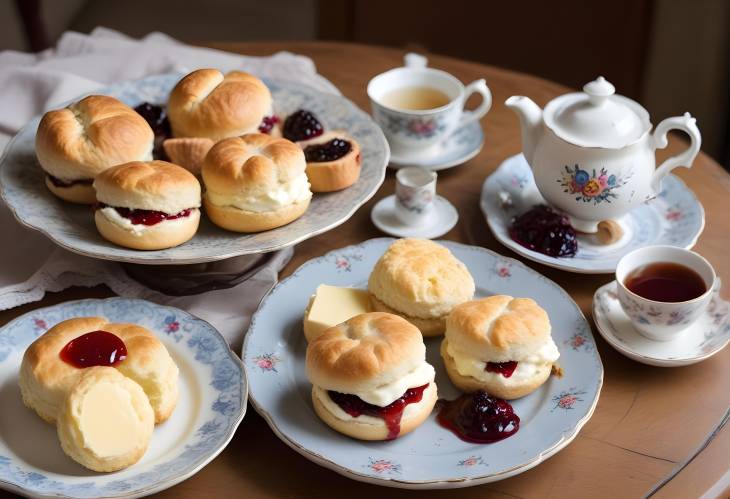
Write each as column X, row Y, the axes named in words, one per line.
column 478, row 418
column 546, row 231
column 97, row 348
column 391, row 414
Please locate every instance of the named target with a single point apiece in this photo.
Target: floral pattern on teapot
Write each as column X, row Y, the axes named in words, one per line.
column 592, row 187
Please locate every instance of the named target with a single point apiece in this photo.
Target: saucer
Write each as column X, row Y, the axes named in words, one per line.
column 674, row 218
column 701, row 340
column 443, row 219
column 457, row 148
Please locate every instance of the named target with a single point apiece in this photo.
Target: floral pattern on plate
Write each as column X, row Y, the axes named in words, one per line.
column 675, row 218
column 211, row 405
column 71, row 226
column 431, row 456
column 709, row 335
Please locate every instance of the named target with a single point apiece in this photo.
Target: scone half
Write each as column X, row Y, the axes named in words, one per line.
column 333, row 161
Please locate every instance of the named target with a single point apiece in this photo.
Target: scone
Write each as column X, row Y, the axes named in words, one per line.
column 106, row 422
column 77, row 143
column 254, row 183
column 46, row 378
column 421, row 281
column 147, row 205
column 499, row 344
column 333, row 161
column 206, row 103
column 188, row 152
column 370, row 379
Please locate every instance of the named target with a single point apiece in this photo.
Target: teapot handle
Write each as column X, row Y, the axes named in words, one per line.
column 687, row 124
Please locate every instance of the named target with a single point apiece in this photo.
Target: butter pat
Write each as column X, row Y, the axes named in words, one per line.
column 332, row 305
column 108, row 420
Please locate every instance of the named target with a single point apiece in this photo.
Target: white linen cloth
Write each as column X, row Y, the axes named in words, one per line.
column 30, row 84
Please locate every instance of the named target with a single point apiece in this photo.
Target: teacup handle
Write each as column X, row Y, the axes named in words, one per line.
column 686, row 123
column 478, row 86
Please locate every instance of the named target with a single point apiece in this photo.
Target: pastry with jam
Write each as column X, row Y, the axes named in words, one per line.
column 499, row 344
column 370, row 379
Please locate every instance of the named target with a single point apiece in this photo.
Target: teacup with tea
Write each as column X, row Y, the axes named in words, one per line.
column 664, row 289
column 418, row 107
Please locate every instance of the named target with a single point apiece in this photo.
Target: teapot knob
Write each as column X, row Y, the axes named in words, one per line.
column 599, row 90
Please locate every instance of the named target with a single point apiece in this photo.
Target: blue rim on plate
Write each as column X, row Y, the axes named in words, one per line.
column 212, row 403
column 430, row 457
column 675, row 218
column 71, row 226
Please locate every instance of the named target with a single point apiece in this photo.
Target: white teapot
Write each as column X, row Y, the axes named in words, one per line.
column 592, row 154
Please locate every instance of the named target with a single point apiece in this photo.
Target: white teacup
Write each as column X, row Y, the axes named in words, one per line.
column 656, row 320
column 411, row 131
column 415, row 190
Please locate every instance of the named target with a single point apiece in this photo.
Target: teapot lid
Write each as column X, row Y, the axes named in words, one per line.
column 597, row 117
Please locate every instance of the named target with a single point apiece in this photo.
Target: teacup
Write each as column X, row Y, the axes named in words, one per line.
column 413, row 130
column 658, row 320
column 415, row 190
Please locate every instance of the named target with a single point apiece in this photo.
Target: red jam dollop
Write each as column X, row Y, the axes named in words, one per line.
column 268, row 123
column 156, row 117
column 506, row 369
column 546, row 231
column 478, row 418
column 68, row 183
column 145, row 217
column 391, row 414
column 97, row 348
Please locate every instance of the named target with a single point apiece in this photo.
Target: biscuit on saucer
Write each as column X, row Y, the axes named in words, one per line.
column 499, row 344
column 147, row 205
column 106, row 421
column 366, row 368
column 46, row 379
column 421, row 281
column 206, row 103
column 254, row 183
column 78, row 142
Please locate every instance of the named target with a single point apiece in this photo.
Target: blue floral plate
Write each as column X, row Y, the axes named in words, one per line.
column 674, row 218
column 72, row 226
column 211, row 405
column 430, row 457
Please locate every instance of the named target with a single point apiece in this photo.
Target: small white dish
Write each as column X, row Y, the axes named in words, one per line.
column 458, row 148
column 701, row 340
column 212, row 403
column 674, row 218
column 443, row 218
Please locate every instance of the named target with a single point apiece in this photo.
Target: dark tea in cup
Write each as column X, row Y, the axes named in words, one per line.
column 666, row 282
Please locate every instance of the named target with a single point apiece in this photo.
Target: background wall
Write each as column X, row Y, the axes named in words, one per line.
column 670, row 55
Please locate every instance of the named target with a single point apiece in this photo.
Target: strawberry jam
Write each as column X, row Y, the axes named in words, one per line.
column 391, row 414
column 145, row 217
column 478, row 418
column 68, row 183
column 504, row 368
column 97, row 348
column 268, row 123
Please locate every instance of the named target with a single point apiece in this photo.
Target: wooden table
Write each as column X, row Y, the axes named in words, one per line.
column 654, row 428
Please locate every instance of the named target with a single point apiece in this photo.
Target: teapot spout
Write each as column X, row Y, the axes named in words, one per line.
column 530, row 116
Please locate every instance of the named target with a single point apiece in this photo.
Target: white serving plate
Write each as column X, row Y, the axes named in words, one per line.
column 674, row 218
column 72, row 226
column 212, row 403
column 430, row 457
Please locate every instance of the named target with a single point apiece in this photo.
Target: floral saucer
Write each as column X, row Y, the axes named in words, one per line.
column 701, row 340
column 442, row 220
column 211, row 405
column 430, row 457
column 457, row 148
column 674, row 218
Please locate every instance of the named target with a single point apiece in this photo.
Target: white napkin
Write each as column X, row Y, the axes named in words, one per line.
column 30, row 264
